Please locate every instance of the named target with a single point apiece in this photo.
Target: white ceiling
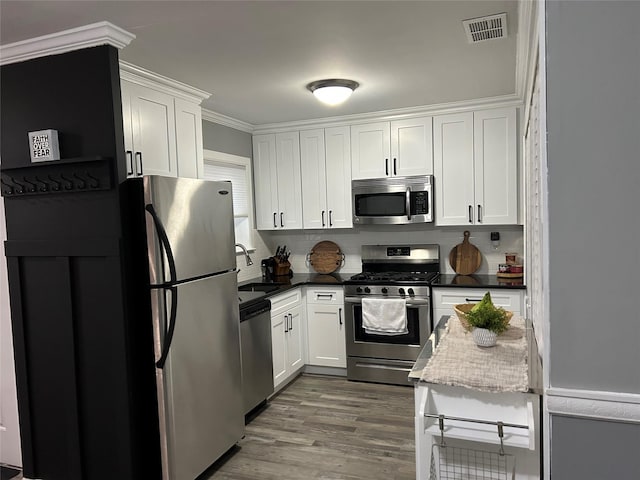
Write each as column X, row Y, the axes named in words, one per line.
column 256, row 57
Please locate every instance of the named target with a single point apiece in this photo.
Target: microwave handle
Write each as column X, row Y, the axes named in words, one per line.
column 408, row 202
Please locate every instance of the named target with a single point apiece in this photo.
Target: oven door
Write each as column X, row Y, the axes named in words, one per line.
column 396, row 347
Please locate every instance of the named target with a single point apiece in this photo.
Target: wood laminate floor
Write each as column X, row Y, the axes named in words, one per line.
column 328, row 428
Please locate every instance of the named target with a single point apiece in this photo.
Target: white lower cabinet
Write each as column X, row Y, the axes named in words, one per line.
column 471, row 436
column 325, row 327
column 287, row 336
column 444, row 298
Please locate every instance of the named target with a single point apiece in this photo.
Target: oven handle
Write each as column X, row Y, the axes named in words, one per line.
column 410, row 303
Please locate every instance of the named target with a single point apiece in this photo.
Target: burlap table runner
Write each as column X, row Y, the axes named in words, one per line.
column 458, row 361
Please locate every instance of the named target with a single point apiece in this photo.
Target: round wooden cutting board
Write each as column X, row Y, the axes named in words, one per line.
column 465, row 258
column 326, row 257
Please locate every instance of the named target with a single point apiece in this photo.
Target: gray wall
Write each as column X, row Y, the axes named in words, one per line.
column 593, row 108
column 225, row 139
column 591, row 449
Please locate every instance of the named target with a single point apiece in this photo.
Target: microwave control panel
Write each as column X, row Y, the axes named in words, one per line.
column 419, row 203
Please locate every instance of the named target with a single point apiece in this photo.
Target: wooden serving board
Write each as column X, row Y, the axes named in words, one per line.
column 326, row 257
column 465, row 258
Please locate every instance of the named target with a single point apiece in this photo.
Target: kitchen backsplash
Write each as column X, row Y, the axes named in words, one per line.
column 350, row 241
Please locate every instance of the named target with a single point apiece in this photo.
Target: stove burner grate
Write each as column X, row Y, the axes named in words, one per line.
column 394, row 277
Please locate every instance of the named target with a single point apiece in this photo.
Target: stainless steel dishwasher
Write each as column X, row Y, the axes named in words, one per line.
column 255, row 348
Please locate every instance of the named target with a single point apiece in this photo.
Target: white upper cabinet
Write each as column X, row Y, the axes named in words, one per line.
column 496, row 179
column 325, row 160
column 162, row 122
column 453, row 168
column 276, row 162
column 370, row 150
column 150, row 136
column 338, row 167
column 412, row 146
column 475, row 167
column 388, row 149
column 189, row 139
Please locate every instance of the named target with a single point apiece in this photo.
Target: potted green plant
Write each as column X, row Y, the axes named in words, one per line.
column 487, row 321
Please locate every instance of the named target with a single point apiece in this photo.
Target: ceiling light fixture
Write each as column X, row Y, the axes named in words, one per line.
column 333, row 91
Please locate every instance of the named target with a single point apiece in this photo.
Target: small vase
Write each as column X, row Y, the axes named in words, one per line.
column 484, row 337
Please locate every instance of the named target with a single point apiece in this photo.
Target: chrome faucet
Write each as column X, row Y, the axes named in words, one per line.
column 246, row 254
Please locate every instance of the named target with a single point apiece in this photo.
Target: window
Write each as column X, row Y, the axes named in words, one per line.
column 237, row 170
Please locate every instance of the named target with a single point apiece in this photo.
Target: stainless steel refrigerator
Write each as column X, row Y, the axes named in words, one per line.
column 194, row 304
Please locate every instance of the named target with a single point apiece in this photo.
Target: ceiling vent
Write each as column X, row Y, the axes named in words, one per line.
column 482, row 29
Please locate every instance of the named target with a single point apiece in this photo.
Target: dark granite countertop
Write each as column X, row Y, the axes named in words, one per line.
column 282, row 284
column 478, row 281
column 534, row 363
column 285, row 283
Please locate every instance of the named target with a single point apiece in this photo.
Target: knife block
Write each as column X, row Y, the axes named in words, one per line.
column 282, row 269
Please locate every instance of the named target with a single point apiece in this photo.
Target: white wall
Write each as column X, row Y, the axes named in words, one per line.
column 9, row 426
column 300, row 243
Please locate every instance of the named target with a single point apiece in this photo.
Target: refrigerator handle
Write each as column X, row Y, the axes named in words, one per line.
column 172, row 325
column 164, row 240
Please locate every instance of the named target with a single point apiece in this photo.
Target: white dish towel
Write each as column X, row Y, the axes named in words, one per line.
column 384, row 316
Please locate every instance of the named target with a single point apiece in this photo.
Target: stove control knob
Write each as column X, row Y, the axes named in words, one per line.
column 384, row 290
column 401, row 291
column 411, row 292
column 358, row 290
column 367, row 290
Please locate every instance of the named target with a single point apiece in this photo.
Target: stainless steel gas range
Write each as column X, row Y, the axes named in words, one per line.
column 393, row 290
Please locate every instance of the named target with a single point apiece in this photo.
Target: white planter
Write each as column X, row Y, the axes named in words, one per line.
column 484, row 337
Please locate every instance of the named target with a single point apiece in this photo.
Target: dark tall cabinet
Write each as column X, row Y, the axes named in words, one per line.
column 78, row 292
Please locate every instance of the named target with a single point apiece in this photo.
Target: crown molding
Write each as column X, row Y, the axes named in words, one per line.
column 221, row 119
column 101, row 33
column 146, row 78
column 395, row 114
column 527, row 38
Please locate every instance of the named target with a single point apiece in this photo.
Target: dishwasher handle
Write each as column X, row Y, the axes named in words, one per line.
column 252, row 311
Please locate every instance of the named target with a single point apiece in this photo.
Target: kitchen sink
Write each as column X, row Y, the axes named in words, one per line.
column 259, row 287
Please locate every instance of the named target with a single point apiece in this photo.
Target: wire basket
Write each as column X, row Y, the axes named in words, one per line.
column 456, row 463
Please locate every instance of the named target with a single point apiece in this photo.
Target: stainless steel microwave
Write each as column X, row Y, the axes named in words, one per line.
column 393, row 200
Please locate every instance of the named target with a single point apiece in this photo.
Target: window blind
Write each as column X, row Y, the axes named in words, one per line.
column 237, row 175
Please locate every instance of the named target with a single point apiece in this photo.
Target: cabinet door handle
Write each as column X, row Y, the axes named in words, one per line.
column 327, row 295
column 386, row 167
column 479, row 214
column 470, row 214
column 290, row 322
column 275, row 225
column 394, row 167
column 340, row 315
column 330, row 219
column 323, row 218
column 139, row 162
column 286, row 323
column 129, row 155
column 472, row 299
column 281, row 221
